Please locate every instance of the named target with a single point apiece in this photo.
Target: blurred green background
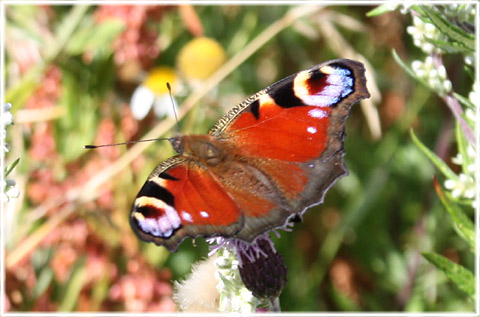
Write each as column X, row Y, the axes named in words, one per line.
column 70, row 74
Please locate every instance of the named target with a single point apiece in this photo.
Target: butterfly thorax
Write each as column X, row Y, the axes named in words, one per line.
column 204, row 148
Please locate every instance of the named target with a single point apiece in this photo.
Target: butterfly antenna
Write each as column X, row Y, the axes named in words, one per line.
column 122, row 143
column 173, row 105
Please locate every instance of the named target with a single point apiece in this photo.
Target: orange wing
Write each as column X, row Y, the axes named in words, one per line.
column 294, row 132
column 179, row 199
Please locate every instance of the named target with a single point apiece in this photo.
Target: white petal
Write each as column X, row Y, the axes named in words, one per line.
column 450, row 184
column 442, row 72
column 417, row 65
column 141, row 102
column 12, row 192
column 456, row 193
column 7, row 118
column 471, row 152
column 458, row 160
column 447, row 85
column 469, row 193
column 163, row 106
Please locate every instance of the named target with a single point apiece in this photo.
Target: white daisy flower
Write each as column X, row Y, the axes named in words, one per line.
column 153, row 92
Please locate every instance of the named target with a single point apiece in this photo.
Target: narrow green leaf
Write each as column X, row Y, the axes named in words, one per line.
column 462, row 223
column 65, row 30
column 100, row 292
column 10, row 168
column 441, row 165
column 464, row 101
column 408, row 70
column 470, row 70
column 384, row 8
column 452, row 31
column 449, row 47
column 18, row 94
column 23, row 18
column 94, row 36
column 462, row 145
column 105, row 33
column 74, row 286
column 43, row 281
column 463, row 278
column 70, row 133
column 343, row 301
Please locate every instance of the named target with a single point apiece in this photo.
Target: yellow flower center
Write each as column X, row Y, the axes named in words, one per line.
column 157, row 79
column 200, row 58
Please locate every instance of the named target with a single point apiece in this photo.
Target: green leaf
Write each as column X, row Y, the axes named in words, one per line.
column 100, row 292
column 70, row 132
column 462, row 223
column 93, row 36
column 10, row 168
column 462, row 145
column 384, row 8
column 65, row 30
column 408, row 70
column 464, row 101
column 439, row 163
column 451, row 30
column 343, row 301
column 469, row 69
column 74, row 286
column 24, row 19
column 44, row 280
column 19, row 94
column 449, row 47
column 463, row 278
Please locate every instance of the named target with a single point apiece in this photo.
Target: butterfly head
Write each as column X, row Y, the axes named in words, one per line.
column 204, row 148
column 177, row 143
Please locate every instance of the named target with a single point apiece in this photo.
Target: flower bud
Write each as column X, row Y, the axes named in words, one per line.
column 264, row 274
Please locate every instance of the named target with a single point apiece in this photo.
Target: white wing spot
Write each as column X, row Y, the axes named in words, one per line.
column 204, row 214
column 317, row 113
column 162, row 226
column 312, row 130
column 186, row 216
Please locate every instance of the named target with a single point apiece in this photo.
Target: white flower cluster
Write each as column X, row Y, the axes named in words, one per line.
column 234, row 296
column 404, row 6
column 464, row 185
column 461, row 12
column 424, row 32
column 464, row 13
column 9, row 189
column 436, row 77
column 474, row 97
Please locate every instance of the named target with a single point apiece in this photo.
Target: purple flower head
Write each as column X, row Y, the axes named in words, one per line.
column 262, row 269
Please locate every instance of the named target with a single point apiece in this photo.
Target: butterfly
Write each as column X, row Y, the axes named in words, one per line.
column 266, row 161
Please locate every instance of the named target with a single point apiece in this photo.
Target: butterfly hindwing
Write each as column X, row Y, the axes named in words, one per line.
column 180, row 199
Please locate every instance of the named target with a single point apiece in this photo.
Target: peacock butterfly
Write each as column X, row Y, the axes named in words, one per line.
column 265, row 161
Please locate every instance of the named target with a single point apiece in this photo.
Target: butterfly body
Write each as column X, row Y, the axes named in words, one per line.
column 267, row 160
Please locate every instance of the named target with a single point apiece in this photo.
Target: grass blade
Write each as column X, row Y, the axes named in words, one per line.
column 74, row 286
column 441, row 165
column 463, row 225
column 463, row 278
column 452, row 31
